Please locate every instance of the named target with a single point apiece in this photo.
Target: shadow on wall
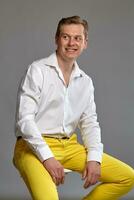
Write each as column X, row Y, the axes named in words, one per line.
column 13, row 198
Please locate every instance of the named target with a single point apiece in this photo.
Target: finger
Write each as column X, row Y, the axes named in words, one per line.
column 86, row 184
column 91, row 181
column 84, row 174
column 54, row 180
column 58, row 180
column 87, row 181
column 62, row 177
column 95, row 178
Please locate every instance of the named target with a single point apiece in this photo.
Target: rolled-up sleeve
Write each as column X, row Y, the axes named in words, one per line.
column 90, row 129
column 27, row 107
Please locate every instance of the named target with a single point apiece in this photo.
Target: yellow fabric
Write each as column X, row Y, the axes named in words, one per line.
column 117, row 178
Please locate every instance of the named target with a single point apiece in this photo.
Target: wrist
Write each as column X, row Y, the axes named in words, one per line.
column 46, row 160
column 97, row 162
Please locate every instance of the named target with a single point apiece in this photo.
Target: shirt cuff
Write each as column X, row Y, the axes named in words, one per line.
column 94, row 156
column 44, row 153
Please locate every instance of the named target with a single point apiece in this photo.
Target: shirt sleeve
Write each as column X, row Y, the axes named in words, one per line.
column 90, row 129
column 27, row 107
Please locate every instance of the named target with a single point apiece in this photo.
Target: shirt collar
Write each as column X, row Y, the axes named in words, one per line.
column 53, row 62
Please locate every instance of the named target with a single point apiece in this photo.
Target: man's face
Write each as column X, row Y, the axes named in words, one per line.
column 71, row 41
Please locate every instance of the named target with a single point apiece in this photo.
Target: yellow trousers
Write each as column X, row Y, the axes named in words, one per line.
column 117, row 178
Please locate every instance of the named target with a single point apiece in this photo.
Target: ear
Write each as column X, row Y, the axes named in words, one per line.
column 85, row 44
column 56, row 40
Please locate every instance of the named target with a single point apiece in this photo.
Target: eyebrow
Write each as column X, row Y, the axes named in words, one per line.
column 70, row 35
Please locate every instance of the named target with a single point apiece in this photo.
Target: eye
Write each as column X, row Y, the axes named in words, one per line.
column 78, row 38
column 65, row 37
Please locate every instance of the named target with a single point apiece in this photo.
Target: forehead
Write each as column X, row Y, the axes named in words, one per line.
column 72, row 29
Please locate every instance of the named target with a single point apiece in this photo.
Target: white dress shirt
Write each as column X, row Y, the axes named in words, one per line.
column 46, row 106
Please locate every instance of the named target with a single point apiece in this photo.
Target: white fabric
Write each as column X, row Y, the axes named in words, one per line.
column 46, row 106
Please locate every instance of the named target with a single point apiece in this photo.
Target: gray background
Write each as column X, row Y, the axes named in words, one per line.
column 27, row 31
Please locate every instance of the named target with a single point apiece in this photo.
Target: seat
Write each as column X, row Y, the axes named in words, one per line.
column 67, row 171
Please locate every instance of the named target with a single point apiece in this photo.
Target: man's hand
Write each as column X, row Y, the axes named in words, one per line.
column 55, row 169
column 91, row 173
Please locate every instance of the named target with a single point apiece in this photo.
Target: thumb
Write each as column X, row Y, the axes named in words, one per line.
column 84, row 174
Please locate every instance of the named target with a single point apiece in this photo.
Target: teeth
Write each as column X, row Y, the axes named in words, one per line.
column 71, row 49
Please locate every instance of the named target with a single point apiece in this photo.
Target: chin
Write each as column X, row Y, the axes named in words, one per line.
column 72, row 55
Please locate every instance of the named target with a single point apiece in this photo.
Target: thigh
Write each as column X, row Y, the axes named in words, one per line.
column 36, row 177
column 75, row 155
column 113, row 170
column 69, row 152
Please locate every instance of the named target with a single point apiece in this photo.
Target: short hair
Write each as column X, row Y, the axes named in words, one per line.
column 72, row 20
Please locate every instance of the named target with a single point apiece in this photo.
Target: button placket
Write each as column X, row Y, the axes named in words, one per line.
column 65, row 107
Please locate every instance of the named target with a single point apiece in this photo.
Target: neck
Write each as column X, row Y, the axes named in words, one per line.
column 65, row 65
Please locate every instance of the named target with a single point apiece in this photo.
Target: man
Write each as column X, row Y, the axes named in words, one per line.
column 54, row 98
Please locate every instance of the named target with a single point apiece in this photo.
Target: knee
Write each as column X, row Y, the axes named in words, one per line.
column 129, row 177
column 132, row 178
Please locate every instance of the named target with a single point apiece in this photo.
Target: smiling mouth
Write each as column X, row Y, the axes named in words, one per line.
column 70, row 50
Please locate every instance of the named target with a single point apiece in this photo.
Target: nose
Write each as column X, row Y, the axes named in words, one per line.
column 71, row 41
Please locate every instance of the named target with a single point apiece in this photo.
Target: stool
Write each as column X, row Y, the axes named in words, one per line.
column 67, row 171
